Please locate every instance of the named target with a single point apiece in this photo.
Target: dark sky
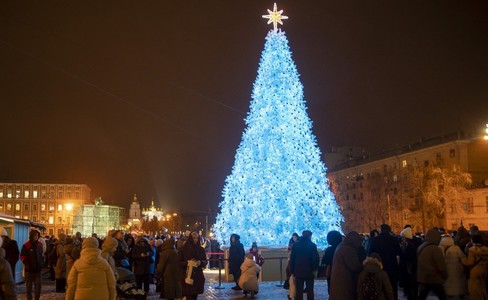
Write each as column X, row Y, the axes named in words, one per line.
column 149, row 97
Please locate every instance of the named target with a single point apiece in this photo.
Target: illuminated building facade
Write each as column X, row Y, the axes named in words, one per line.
column 98, row 218
column 50, row 204
column 378, row 189
column 151, row 212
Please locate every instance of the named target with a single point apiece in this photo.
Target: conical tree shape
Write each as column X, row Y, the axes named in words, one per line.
column 278, row 184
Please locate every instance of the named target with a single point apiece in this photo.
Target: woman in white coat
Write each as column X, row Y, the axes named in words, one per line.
column 455, row 285
column 91, row 276
column 248, row 280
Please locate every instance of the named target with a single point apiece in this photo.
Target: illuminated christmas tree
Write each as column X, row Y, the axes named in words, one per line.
column 278, row 184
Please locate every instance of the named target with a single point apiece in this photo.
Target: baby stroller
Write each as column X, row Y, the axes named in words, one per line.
column 127, row 287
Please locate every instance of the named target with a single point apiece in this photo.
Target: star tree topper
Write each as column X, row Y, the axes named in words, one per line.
column 275, row 17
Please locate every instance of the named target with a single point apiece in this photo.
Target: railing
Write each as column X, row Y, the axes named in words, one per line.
column 221, row 260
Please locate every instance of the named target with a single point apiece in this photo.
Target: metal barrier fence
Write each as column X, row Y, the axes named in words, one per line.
column 221, row 260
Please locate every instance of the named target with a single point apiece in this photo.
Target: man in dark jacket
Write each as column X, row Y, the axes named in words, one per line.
column 388, row 247
column 31, row 257
column 304, row 262
column 431, row 266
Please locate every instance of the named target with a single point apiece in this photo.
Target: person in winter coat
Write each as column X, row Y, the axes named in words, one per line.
column 72, row 253
column 291, row 242
column 31, row 257
column 120, row 255
column 7, row 285
column 346, row 268
column 373, row 270
column 408, row 263
column 462, row 238
column 109, row 247
column 192, row 251
column 60, row 266
column 91, row 276
column 257, row 257
column 236, row 258
column 477, row 261
column 388, row 247
column 11, row 251
column 334, row 238
column 304, row 262
column 141, row 258
column 431, row 267
column 455, row 284
column 248, row 280
column 168, row 270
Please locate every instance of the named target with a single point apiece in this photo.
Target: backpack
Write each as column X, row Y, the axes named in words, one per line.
column 367, row 289
column 52, row 257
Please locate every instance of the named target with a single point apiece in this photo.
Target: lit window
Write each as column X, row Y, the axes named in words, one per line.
column 9, row 195
column 60, row 207
column 17, row 206
column 51, row 207
column 17, row 194
column 9, row 206
column 26, row 194
column 1, row 194
column 26, row 217
column 51, row 220
column 404, row 163
column 34, row 194
column 1, row 207
column 43, row 207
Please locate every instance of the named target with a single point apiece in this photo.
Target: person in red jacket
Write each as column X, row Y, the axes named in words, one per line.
column 31, row 257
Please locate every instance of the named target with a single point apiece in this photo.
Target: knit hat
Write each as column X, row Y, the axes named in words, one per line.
column 407, row 233
column 110, row 243
column 90, row 242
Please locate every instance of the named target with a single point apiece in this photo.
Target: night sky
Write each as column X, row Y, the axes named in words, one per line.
column 149, row 97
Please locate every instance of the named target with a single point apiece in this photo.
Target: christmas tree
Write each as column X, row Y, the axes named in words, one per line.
column 278, row 184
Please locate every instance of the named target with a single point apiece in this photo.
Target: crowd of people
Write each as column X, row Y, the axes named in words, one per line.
column 356, row 266
column 448, row 265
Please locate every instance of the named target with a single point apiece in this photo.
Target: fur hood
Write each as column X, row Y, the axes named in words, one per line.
column 372, row 265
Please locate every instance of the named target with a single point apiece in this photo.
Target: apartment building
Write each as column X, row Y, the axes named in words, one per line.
column 50, row 204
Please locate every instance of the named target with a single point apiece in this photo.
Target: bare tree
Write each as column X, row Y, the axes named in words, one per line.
column 434, row 188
